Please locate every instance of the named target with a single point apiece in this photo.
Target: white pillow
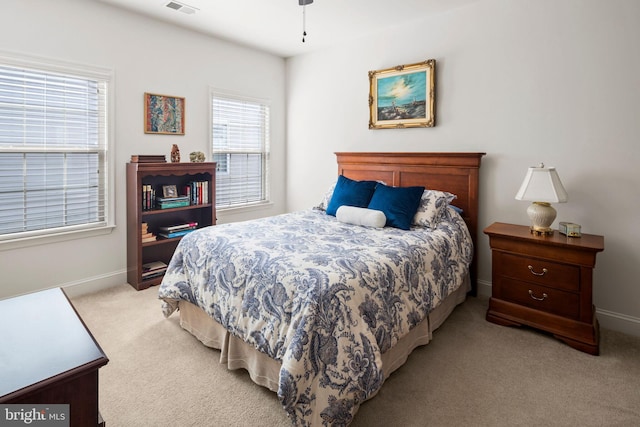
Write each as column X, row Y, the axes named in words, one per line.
column 432, row 205
column 326, row 198
column 361, row 216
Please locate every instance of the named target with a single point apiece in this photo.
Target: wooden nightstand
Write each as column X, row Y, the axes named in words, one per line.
column 545, row 282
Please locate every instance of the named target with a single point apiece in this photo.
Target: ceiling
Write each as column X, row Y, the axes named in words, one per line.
column 275, row 26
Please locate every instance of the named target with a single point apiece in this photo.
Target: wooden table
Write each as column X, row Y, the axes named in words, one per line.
column 48, row 356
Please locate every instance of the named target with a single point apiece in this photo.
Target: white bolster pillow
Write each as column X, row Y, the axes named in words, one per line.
column 361, row 216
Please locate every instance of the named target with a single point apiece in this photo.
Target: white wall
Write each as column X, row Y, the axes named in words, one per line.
column 522, row 81
column 525, row 82
column 146, row 56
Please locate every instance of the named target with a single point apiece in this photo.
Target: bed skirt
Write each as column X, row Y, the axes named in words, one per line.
column 265, row 371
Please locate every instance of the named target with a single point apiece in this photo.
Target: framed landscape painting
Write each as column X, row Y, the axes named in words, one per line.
column 403, row 96
column 163, row 114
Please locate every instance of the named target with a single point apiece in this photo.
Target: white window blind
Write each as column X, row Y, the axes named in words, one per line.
column 240, row 146
column 53, row 151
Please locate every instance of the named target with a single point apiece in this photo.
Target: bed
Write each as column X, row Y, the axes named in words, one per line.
column 322, row 311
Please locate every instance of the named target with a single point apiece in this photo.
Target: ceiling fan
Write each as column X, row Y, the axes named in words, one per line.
column 304, row 3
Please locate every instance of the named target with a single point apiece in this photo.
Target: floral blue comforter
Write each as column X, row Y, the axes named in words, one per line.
column 324, row 298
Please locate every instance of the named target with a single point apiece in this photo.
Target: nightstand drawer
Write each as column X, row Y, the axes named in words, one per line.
column 541, row 272
column 551, row 300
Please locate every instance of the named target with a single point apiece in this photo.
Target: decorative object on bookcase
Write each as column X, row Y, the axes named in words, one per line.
column 175, row 154
column 197, row 156
column 148, row 158
column 164, row 114
column 164, row 215
column 169, row 191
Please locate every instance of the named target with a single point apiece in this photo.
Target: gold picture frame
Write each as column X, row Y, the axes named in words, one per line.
column 403, row 96
column 164, row 114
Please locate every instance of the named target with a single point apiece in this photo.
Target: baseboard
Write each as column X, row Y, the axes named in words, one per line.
column 484, row 288
column 608, row 319
column 618, row 322
column 94, row 284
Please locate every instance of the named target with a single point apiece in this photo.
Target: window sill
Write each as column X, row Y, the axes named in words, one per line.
column 221, row 213
column 26, row 242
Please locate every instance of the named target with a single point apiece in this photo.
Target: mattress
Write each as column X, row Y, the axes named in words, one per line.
column 324, row 300
column 265, row 371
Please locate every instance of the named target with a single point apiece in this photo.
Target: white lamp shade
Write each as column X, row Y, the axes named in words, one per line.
column 542, row 184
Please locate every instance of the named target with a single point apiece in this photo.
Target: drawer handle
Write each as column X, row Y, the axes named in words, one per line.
column 544, row 271
column 544, row 296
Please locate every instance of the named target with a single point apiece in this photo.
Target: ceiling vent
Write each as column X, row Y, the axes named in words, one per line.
column 184, row 8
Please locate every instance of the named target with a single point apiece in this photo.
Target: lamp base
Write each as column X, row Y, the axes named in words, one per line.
column 548, row 232
column 542, row 215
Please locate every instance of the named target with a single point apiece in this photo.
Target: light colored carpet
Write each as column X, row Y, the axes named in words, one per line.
column 472, row 373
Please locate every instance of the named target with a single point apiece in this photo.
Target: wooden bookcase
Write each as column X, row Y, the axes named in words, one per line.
column 158, row 175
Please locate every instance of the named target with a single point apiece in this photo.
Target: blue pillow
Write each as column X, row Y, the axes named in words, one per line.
column 399, row 204
column 457, row 209
column 350, row 193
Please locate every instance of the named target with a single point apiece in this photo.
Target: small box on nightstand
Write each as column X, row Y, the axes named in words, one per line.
column 569, row 229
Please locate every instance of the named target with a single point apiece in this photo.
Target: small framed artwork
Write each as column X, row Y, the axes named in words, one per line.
column 169, row 191
column 163, row 114
column 403, row 96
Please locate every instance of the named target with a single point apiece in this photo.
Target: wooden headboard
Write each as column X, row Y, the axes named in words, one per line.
column 456, row 173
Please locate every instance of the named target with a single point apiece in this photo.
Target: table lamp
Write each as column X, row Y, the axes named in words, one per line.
column 542, row 186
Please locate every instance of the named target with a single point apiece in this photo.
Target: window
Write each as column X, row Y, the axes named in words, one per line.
column 53, row 149
column 240, row 146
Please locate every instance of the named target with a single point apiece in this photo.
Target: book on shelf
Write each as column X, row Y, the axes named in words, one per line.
column 198, row 192
column 170, row 205
column 153, row 269
column 176, row 233
column 148, row 158
column 153, row 265
column 179, row 227
column 172, row 199
column 146, row 236
column 154, row 273
column 148, row 197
